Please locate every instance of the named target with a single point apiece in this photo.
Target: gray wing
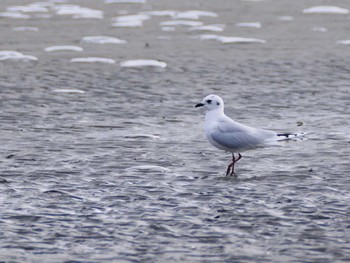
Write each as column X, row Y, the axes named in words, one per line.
column 236, row 141
column 238, row 137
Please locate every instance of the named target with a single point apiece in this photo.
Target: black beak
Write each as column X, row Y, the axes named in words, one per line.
column 199, row 105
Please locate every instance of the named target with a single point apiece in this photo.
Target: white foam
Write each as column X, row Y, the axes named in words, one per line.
column 27, row 9
column 14, row 55
column 68, row 91
column 77, row 11
column 325, row 10
column 181, row 23
column 63, row 48
column 344, row 42
column 143, row 63
column 249, row 24
column 102, row 40
column 125, row 1
column 24, row 28
column 68, row 9
column 93, row 14
column 170, row 13
column 228, row 40
column 17, row 15
column 130, row 20
column 93, row 60
column 213, row 28
column 193, row 14
column 141, row 17
column 135, row 23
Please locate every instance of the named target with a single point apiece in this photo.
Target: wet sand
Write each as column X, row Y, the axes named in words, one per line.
column 122, row 172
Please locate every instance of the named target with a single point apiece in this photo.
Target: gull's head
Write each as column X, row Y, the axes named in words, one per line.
column 211, row 102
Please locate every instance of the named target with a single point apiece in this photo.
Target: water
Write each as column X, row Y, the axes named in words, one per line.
column 101, row 163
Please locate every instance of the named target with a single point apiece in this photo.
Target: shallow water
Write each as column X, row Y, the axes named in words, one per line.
column 101, row 163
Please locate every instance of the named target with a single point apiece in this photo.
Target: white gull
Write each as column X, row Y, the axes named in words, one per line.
column 228, row 135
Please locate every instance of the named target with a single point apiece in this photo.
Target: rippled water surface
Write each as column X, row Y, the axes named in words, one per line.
column 106, row 163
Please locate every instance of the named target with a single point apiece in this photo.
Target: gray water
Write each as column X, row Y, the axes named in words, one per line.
column 123, row 172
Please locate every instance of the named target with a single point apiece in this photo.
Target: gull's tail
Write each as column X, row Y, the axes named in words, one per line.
column 290, row 136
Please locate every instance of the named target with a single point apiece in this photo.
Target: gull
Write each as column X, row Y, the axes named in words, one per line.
column 231, row 136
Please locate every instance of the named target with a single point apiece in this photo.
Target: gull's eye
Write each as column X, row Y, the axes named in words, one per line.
column 209, row 101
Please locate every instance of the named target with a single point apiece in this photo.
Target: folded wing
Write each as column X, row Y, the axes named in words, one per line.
column 236, row 137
